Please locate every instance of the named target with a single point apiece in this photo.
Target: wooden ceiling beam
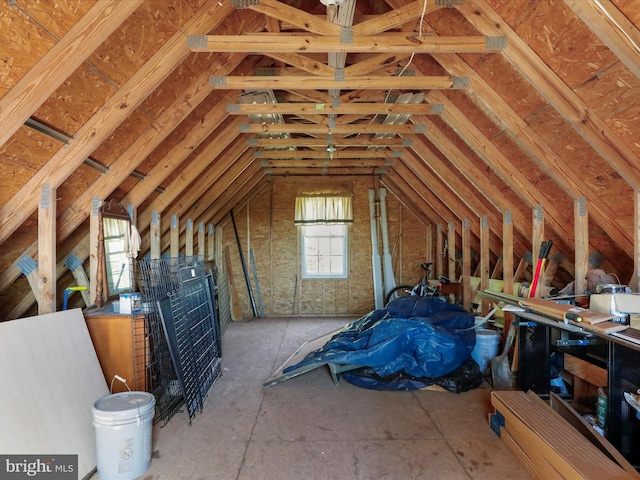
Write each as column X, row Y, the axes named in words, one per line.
column 389, row 42
column 372, row 64
column 339, row 154
column 323, row 129
column 296, row 17
column 248, row 185
column 321, row 142
column 319, row 162
column 330, row 82
column 395, row 18
column 302, row 62
column 326, row 171
column 60, row 61
column 326, row 109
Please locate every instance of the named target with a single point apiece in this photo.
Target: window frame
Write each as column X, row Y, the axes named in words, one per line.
column 345, row 253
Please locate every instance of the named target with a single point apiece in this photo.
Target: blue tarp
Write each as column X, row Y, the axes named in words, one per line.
column 419, row 336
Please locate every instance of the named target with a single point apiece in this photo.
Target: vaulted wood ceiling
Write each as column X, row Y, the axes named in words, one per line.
column 464, row 110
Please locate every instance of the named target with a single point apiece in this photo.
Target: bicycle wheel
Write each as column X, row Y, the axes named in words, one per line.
column 399, row 291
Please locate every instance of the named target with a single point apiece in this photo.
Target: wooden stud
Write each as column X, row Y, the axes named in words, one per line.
column 536, row 240
column 188, row 239
column 94, row 227
column 484, row 261
column 466, row 265
column 581, row 226
column 155, row 236
column 201, row 244
column 175, row 237
column 451, row 239
column 439, row 250
column 507, row 252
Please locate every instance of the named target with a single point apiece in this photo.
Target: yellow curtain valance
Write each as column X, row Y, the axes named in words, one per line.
column 323, row 210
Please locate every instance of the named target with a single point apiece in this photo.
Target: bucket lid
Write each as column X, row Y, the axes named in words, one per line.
column 486, row 332
column 125, row 402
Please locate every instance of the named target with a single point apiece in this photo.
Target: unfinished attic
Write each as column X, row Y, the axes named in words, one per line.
column 309, row 155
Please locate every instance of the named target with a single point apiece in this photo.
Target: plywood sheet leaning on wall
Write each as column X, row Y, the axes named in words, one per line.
column 50, row 379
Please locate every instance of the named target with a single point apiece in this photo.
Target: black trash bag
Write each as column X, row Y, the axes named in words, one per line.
column 466, row 377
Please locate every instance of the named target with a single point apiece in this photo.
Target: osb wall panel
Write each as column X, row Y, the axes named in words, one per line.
column 544, row 26
column 614, row 98
column 21, row 157
column 75, row 101
column 24, row 43
column 412, row 248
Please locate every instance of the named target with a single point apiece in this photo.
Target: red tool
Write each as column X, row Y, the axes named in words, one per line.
column 545, row 248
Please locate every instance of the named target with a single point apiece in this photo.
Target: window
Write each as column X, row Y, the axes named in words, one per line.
column 324, row 251
column 323, row 222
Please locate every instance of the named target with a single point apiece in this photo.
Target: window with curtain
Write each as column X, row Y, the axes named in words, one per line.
column 323, row 222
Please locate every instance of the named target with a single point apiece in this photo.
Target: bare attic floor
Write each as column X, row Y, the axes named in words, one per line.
column 308, row 428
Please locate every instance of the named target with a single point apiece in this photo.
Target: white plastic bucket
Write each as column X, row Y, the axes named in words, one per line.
column 486, row 347
column 123, row 425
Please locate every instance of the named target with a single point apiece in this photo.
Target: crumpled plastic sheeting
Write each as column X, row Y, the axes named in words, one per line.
column 420, row 336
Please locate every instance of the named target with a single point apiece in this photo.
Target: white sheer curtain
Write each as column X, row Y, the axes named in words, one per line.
column 323, row 210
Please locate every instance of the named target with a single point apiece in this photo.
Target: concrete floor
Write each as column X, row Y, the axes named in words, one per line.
column 309, row 428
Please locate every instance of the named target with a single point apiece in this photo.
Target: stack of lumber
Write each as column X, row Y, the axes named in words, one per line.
column 589, row 320
column 546, row 445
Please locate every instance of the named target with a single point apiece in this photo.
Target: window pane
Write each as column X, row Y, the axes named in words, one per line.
column 324, row 250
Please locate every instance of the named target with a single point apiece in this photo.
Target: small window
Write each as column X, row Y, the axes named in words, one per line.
column 324, row 251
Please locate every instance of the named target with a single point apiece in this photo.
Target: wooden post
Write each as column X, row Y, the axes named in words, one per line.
column 155, row 233
column 581, row 225
column 634, row 281
column 507, row 252
column 201, row 243
column 466, row 265
column 188, row 238
column 451, row 241
column 47, row 250
column 429, row 247
column 210, row 243
column 94, row 233
column 507, row 262
column 537, row 239
column 484, row 261
column 175, row 237
column 439, row 250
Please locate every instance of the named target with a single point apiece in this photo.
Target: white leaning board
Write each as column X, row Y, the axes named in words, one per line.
column 50, row 379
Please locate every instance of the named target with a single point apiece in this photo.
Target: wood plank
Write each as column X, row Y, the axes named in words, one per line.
column 47, row 250
column 581, row 425
column 395, row 18
column 537, row 237
column 467, row 295
column 174, row 243
column 542, row 432
column 321, row 142
column 507, row 253
column 485, row 239
column 105, row 120
column 294, row 43
column 60, row 61
column 451, row 251
column 593, row 374
column 581, row 243
column 335, row 162
column 326, row 109
column 188, row 238
column 155, row 236
column 337, row 155
column 318, row 82
column 296, row 17
column 302, row 62
column 374, row 63
column 324, row 129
